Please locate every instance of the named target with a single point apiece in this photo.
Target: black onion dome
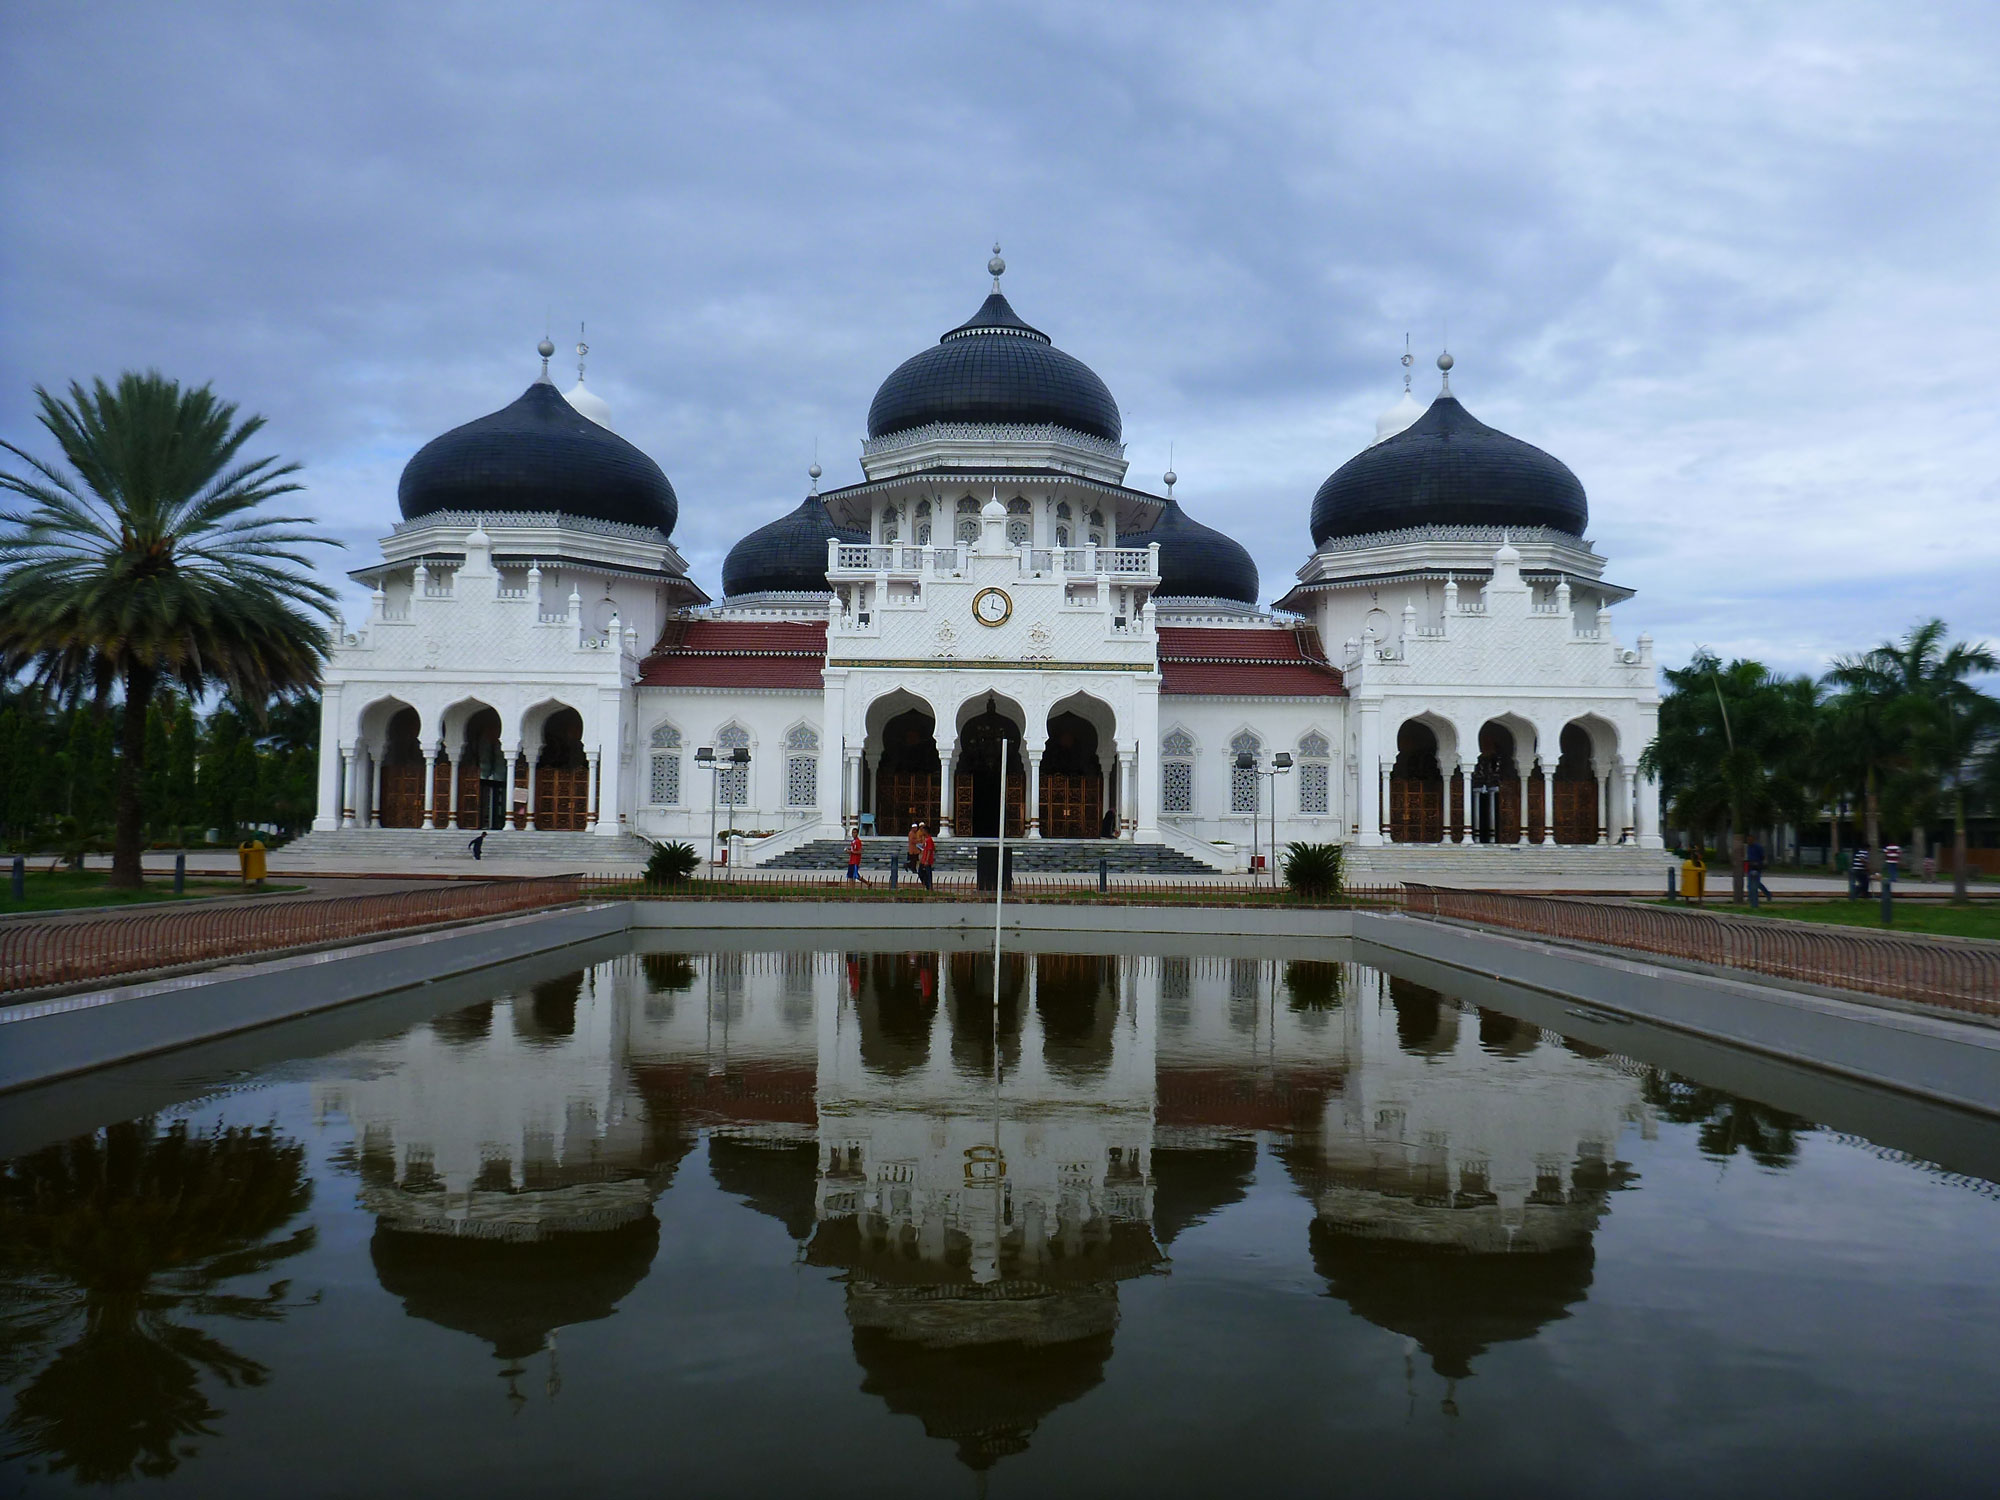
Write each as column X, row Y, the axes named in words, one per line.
column 788, row 556
column 994, row 368
column 1449, row 468
column 539, row 454
column 1196, row 561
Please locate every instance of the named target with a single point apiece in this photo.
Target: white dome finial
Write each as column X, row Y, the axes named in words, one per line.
column 587, row 402
column 996, row 267
column 1405, row 412
column 1445, row 362
column 545, row 348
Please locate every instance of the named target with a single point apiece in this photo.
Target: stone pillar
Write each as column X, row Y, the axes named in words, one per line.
column 430, row 791
column 1128, row 779
column 374, row 819
column 1034, row 823
column 598, row 802
column 947, row 792
column 1368, row 817
column 328, row 813
column 1604, row 818
column 1461, row 787
column 850, row 814
column 451, row 788
column 534, row 776
column 1646, row 817
column 514, row 759
column 1523, row 838
column 1548, row 805
column 351, row 779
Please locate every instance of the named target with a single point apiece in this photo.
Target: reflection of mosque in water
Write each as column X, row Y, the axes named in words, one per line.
column 984, row 1156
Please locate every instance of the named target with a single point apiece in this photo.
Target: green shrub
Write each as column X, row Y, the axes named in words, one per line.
column 670, row 863
column 1313, row 869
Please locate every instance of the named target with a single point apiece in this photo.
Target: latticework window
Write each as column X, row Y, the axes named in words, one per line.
column 1179, row 743
column 664, row 786
column 1243, row 779
column 1017, row 533
column 733, row 784
column 1176, row 786
column 802, row 767
column 1313, row 745
column 1315, row 780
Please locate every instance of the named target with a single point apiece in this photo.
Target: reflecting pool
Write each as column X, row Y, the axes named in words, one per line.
column 864, row 1222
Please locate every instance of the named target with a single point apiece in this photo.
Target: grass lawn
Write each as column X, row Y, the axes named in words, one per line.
column 1978, row 921
column 54, row 890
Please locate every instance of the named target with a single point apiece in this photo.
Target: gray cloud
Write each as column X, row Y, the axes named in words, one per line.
column 1735, row 265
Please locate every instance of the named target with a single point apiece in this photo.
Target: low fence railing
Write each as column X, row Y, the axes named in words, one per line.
column 1958, row 974
column 37, row 955
column 963, row 885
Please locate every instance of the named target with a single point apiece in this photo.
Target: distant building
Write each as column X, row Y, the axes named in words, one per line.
column 1443, row 674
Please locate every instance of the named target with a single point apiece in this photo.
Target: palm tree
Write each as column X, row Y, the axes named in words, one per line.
column 149, row 561
column 1950, row 716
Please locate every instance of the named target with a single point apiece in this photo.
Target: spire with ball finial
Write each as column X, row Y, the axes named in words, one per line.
column 996, row 267
column 1445, row 363
column 546, row 348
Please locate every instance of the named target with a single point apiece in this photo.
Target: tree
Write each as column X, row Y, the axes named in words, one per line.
column 1947, row 715
column 151, row 560
column 1733, row 748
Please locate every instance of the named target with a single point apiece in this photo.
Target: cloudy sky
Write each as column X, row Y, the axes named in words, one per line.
column 1738, row 266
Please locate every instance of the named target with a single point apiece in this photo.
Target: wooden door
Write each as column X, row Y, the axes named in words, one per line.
column 403, row 795
column 1072, row 805
column 903, row 798
column 562, row 798
column 1576, row 811
column 1416, row 810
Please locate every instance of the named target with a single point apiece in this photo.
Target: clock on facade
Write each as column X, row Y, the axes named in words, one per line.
column 992, row 606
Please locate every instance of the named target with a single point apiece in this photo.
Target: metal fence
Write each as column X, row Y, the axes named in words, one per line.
column 36, row 955
column 962, row 885
column 1959, row 974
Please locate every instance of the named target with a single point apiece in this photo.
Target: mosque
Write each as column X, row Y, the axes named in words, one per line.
column 1440, row 688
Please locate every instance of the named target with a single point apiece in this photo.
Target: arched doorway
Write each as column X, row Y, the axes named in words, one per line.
column 906, row 777
column 978, row 781
column 1416, row 787
column 1496, row 788
column 1072, row 780
column 483, row 773
column 1576, row 789
column 562, row 774
column 403, row 772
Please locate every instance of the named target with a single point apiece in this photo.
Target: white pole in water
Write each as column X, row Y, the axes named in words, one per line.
column 999, row 861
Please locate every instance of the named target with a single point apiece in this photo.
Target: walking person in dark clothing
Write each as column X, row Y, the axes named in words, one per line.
column 1857, row 876
column 477, row 844
column 1753, row 872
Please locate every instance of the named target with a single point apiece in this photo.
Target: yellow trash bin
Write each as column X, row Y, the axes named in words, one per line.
column 250, row 857
column 1694, row 879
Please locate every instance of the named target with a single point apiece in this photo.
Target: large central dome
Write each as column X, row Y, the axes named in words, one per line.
column 995, row 368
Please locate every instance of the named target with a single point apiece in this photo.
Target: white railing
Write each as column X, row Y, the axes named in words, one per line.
column 1125, row 559
column 507, row 593
column 907, row 560
column 438, row 588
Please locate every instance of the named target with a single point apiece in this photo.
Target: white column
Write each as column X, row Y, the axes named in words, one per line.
column 513, row 766
column 328, row 814
column 1604, row 817
column 374, row 818
column 351, row 796
column 947, row 792
column 1524, row 805
column 430, row 790
column 1369, row 750
column 604, row 799
column 851, row 780
column 534, row 775
column 1548, row 805
column 1128, row 781
column 1646, row 817
column 451, row 786
column 1034, row 794
column 1462, row 784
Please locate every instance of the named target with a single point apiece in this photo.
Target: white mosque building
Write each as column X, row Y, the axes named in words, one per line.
column 1441, row 689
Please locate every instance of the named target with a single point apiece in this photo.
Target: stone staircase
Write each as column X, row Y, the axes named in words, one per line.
column 376, row 847
column 1508, row 865
column 1031, row 857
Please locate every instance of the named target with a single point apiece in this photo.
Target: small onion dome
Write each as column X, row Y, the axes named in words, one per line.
column 587, row 401
column 1448, row 468
column 1398, row 418
column 786, row 557
column 539, row 454
column 1196, row 561
column 994, row 368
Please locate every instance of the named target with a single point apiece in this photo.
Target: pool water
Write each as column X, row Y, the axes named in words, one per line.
column 883, row 1223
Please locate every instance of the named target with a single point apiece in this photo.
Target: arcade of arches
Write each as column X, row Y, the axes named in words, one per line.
column 475, row 784
column 1498, row 799
column 1072, row 797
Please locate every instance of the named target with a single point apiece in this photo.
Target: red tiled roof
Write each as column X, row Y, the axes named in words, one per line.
column 741, row 653
column 1257, row 663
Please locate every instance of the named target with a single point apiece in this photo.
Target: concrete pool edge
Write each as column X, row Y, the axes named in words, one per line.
column 1936, row 1058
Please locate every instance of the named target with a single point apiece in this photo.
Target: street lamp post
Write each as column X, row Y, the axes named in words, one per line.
column 715, row 764
column 1280, row 764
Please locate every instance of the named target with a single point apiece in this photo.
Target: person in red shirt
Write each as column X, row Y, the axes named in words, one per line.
column 854, row 860
column 927, row 859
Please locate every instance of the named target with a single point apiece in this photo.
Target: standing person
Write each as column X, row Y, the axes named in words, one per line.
column 1857, row 875
column 913, row 856
column 477, row 844
column 1753, row 871
column 854, row 859
column 1892, row 861
column 927, row 859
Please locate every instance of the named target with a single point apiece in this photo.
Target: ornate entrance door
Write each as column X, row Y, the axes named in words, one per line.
column 903, row 798
column 562, row 797
column 403, row 794
column 1576, row 810
column 1072, row 805
column 1416, row 810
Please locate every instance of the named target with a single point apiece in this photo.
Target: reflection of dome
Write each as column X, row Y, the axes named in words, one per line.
column 1196, row 561
column 786, row 556
column 1448, row 468
column 538, row 455
column 514, row 1295
column 983, row 1368
column 994, row 368
column 1454, row 1303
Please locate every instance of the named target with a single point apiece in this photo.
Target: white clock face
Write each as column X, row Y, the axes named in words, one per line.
column 991, row 606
